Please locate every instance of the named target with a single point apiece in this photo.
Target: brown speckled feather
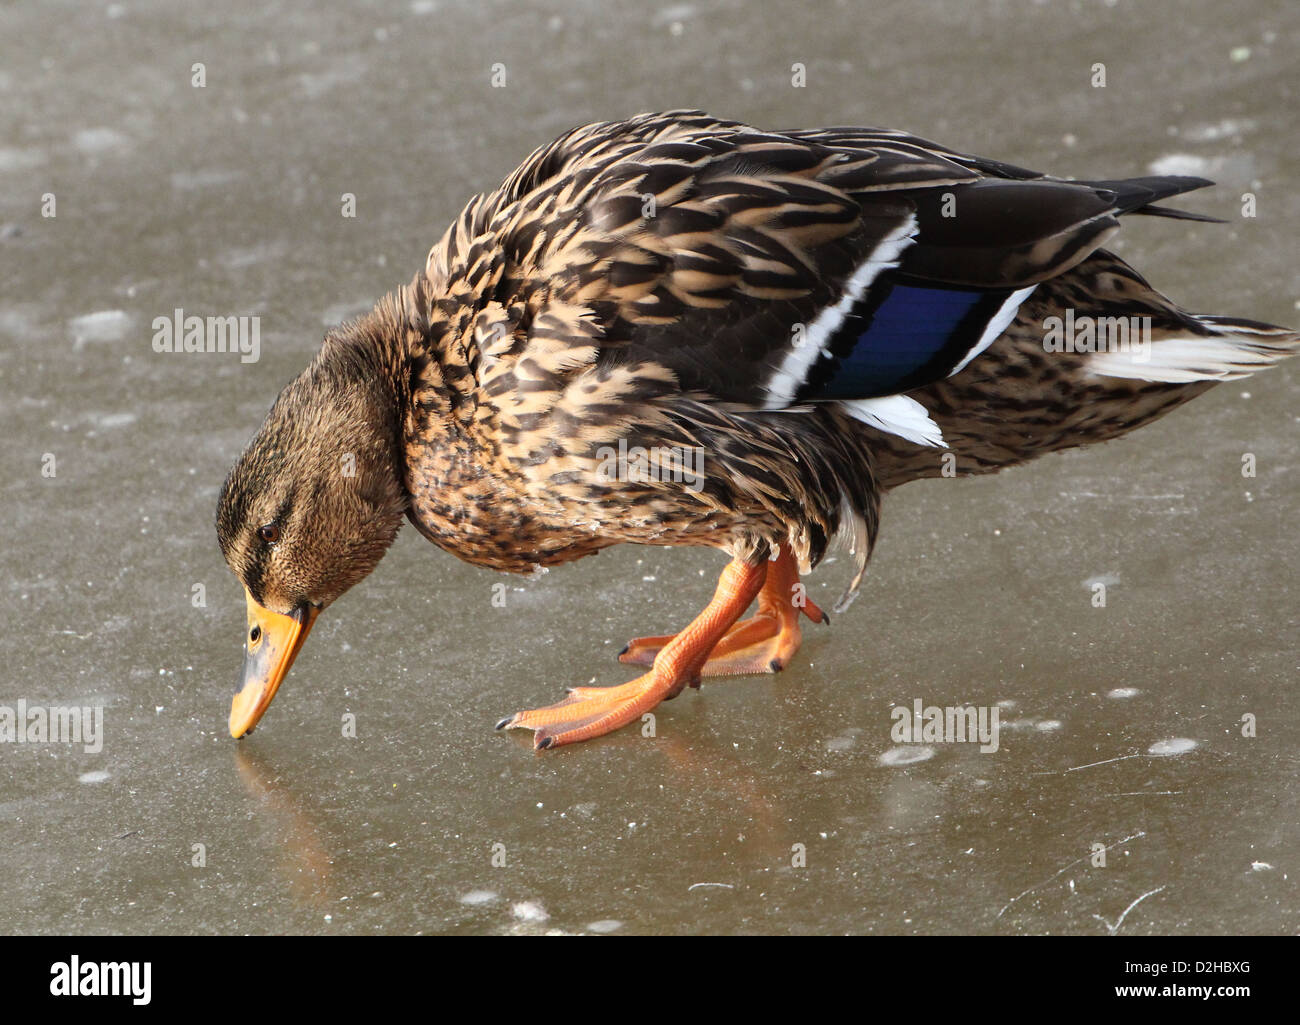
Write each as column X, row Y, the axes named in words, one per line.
column 686, row 331
column 637, row 283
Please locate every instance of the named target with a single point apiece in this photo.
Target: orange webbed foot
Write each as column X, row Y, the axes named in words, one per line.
column 764, row 643
column 592, row 711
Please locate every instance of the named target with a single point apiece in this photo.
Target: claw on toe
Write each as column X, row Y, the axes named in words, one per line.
column 587, row 712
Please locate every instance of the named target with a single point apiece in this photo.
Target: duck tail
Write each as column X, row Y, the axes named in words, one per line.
column 1210, row 349
column 1030, row 393
column 1140, row 195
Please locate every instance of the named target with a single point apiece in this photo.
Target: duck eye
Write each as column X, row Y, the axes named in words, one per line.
column 254, row 635
column 270, row 532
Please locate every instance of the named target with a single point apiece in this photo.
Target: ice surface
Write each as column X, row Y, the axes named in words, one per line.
column 226, row 201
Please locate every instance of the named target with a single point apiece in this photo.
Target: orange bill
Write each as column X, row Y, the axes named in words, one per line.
column 272, row 643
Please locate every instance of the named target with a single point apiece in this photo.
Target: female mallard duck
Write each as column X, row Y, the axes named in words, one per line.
column 678, row 330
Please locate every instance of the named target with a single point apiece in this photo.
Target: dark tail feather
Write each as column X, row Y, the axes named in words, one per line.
column 1139, row 195
column 1178, row 215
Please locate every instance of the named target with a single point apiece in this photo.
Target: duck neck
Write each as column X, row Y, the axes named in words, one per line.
column 368, row 364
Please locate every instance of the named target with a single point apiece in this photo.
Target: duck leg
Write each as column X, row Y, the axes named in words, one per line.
column 592, row 711
column 764, row 643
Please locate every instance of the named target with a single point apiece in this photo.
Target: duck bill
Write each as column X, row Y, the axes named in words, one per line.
column 272, row 643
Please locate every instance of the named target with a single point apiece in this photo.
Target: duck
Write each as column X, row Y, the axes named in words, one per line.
column 681, row 330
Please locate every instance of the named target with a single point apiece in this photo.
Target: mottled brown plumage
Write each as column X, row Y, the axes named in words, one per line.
column 698, row 289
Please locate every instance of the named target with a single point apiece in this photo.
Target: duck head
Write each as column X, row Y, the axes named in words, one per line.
column 311, row 505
